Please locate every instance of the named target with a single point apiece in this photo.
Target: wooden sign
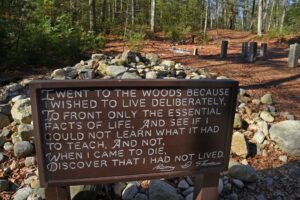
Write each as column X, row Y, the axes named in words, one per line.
column 118, row 130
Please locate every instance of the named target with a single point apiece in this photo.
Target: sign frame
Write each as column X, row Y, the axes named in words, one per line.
column 35, row 86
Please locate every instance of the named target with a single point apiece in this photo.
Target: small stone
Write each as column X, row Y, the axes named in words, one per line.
column 129, row 192
column 259, row 137
column 25, row 131
column 256, row 101
column 239, row 144
column 151, row 75
column 168, row 63
column 1, row 157
column 34, row 197
column 160, row 190
column 189, row 197
column 5, row 109
column 130, row 75
column 16, row 98
column 5, row 132
column 23, row 193
column 237, row 121
column 8, row 146
column 15, row 137
column 153, row 58
column 4, row 120
column 266, row 99
column 222, row 77
column 287, row 136
column 22, row 149
column 115, row 70
column 86, row 74
column 260, row 197
column 30, row 161
column 238, row 183
column 21, row 111
column 3, row 185
column 183, row 184
column 98, row 57
column 243, row 173
column 263, row 126
column 266, row 116
column 284, row 159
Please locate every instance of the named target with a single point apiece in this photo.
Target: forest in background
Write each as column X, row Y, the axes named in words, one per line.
column 56, row 32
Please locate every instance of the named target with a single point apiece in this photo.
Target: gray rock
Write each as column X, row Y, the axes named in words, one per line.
column 40, row 192
column 238, row 183
column 151, row 75
column 16, row 98
column 170, row 64
column 1, row 157
column 5, row 109
column 188, row 191
column 8, row 146
column 5, row 132
column 287, row 136
column 260, row 197
column 129, row 192
column 233, row 196
column 30, row 161
column 12, row 89
column 160, row 190
column 58, row 73
column 98, row 57
column 3, row 185
column 266, row 116
column 115, row 70
column 4, row 120
column 153, row 58
column 130, row 75
column 239, row 144
column 23, row 193
column 21, row 111
column 259, row 137
column 70, row 72
column 86, row 74
column 283, row 158
column 140, row 196
column 183, row 184
column 34, row 197
column 130, row 56
column 189, row 197
column 266, row 99
column 263, row 126
column 118, row 188
column 25, row 131
column 22, row 149
column 237, row 121
column 243, row 173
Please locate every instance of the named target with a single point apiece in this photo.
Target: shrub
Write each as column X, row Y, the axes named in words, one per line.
column 135, row 39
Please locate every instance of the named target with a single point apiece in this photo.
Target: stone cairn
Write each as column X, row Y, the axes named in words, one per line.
column 256, row 123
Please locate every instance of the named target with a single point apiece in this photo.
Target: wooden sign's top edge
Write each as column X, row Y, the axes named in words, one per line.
column 132, row 83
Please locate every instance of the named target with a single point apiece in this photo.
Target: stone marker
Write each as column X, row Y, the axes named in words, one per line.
column 263, row 50
column 294, row 55
column 252, row 52
column 245, row 49
column 195, row 52
column 224, row 47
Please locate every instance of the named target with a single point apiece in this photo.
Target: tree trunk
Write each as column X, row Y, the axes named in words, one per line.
column 252, row 15
column 206, row 16
column 103, row 10
column 92, row 5
column 284, row 4
column 132, row 12
column 265, row 11
column 259, row 18
column 152, row 20
column 73, row 11
column 271, row 16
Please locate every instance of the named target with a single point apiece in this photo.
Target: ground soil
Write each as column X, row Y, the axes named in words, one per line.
column 265, row 75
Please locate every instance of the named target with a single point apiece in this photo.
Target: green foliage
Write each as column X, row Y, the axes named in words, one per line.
column 293, row 18
column 135, row 38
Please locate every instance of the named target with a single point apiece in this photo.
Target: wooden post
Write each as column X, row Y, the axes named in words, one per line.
column 57, row 193
column 196, row 51
column 224, row 47
column 263, row 50
column 206, row 187
column 252, row 52
column 245, row 49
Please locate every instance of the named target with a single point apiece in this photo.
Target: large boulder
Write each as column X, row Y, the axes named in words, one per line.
column 21, row 111
column 287, row 136
column 160, row 190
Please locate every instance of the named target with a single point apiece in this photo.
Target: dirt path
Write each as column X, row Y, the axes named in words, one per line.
column 271, row 75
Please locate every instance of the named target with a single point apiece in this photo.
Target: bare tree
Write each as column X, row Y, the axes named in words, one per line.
column 152, row 20
column 132, row 11
column 206, row 16
column 284, row 5
column 259, row 18
column 271, row 15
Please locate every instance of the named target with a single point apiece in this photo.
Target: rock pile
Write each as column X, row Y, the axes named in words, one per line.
column 256, row 130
